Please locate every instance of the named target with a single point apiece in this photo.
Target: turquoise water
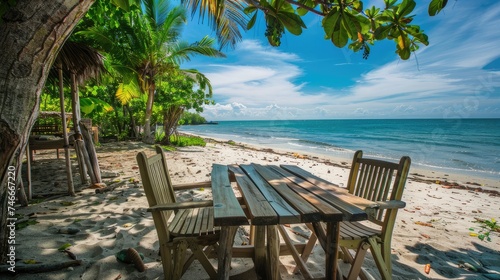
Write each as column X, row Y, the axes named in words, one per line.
column 454, row 145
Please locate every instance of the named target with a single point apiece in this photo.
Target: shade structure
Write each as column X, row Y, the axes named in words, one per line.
column 75, row 64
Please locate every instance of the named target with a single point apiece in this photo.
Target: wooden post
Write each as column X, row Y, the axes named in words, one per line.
column 75, row 106
column 69, row 175
column 227, row 234
column 86, row 158
column 259, row 243
column 89, row 144
column 273, row 252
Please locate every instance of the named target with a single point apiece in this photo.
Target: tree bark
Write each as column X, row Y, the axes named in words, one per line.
column 31, row 35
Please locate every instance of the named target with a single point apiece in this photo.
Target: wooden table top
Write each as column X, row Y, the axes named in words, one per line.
column 283, row 194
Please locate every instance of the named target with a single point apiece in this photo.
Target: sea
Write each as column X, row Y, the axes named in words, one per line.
column 459, row 146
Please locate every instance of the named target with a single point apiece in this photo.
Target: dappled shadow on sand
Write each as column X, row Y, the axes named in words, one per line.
column 448, row 263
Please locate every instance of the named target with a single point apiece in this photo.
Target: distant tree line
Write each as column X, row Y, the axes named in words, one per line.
column 191, row 118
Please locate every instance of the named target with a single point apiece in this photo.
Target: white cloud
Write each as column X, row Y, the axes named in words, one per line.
column 261, row 76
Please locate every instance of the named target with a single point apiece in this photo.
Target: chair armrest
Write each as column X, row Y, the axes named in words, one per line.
column 390, row 204
column 187, row 186
column 181, row 205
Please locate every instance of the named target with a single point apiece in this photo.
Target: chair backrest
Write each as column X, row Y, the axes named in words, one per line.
column 379, row 180
column 157, row 186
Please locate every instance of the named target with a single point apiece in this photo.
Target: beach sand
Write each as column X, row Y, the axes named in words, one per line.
column 432, row 229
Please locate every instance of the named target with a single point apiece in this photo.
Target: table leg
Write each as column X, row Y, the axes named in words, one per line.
column 331, row 249
column 273, row 252
column 260, row 250
column 225, row 251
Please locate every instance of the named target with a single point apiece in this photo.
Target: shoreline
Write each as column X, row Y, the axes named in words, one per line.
column 470, row 181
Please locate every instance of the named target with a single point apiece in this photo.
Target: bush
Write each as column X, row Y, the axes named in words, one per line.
column 184, row 141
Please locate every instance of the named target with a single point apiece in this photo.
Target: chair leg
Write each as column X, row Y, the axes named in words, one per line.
column 180, row 248
column 166, row 260
column 301, row 265
column 358, row 260
column 202, row 258
column 308, row 248
column 347, row 258
column 386, row 254
column 379, row 260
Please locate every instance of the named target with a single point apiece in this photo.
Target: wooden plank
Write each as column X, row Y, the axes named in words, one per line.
column 308, row 176
column 193, row 218
column 260, row 211
column 227, row 209
column 328, row 212
column 308, row 213
column 177, row 223
column 331, row 187
column 286, row 213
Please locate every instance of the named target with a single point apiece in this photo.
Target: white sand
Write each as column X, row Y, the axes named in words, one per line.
column 117, row 220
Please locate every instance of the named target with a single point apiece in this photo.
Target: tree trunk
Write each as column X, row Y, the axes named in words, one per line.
column 171, row 118
column 132, row 124
column 31, row 35
column 147, row 137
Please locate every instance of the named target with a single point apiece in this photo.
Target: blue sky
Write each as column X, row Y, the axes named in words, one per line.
column 307, row 77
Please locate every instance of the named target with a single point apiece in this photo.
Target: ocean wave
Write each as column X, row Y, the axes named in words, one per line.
column 315, row 145
column 285, row 138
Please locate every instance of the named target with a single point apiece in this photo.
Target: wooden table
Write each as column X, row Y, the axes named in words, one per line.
column 276, row 195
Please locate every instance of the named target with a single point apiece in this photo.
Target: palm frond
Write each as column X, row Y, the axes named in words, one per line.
column 127, row 92
column 172, row 27
column 157, row 10
column 182, row 51
column 79, row 59
column 198, row 77
column 225, row 16
column 89, row 104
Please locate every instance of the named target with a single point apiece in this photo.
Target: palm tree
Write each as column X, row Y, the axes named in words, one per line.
column 145, row 47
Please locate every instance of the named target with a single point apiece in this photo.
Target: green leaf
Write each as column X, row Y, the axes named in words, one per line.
column 357, row 5
column 389, row 3
column 382, row 32
column 436, row 6
column 309, row 3
column 122, row 4
column 249, row 9
column 352, row 26
column 406, row 7
column 364, row 24
column 88, row 104
column 331, row 22
column 403, row 47
column 251, row 22
column 292, row 22
column 340, row 38
column 301, row 11
column 64, row 247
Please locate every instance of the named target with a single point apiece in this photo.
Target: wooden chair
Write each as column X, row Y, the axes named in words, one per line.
column 382, row 182
column 179, row 225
